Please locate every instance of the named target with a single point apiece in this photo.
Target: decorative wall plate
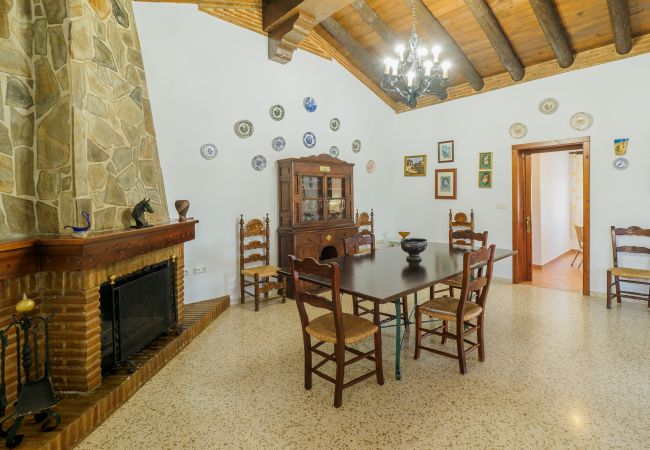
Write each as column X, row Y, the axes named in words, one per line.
column 309, row 139
column 356, row 146
column 581, row 121
column 209, row 151
column 370, row 166
column 334, row 151
column 310, row 104
column 278, row 143
column 621, row 163
column 277, row 112
column 548, row 106
column 518, row 130
column 258, row 162
column 244, row 129
column 335, row 124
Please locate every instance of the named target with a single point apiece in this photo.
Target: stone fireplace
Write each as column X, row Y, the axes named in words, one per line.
column 64, row 275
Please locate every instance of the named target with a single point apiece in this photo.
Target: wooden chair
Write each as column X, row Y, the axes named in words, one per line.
column 477, row 276
column 254, row 268
column 458, row 222
column 364, row 242
column 580, row 236
column 366, row 231
column 335, row 327
column 626, row 274
column 460, row 238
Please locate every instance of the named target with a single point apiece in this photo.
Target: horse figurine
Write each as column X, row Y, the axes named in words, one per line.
column 138, row 213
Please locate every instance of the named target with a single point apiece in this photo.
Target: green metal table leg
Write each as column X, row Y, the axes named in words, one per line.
column 398, row 337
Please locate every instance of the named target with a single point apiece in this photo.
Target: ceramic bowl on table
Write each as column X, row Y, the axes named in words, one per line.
column 414, row 246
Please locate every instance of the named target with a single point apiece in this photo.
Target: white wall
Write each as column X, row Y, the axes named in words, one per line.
column 618, row 97
column 551, row 206
column 203, row 75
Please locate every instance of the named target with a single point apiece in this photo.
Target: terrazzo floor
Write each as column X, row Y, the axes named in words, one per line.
column 561, row 372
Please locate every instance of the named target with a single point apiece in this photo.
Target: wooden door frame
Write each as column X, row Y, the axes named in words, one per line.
column 519, row 153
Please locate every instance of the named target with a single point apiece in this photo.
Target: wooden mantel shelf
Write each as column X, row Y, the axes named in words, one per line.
column 20, row 257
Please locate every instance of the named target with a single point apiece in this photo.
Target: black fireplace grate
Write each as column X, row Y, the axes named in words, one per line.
column 135, row 310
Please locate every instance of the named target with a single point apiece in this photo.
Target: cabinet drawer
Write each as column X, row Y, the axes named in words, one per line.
column 335, row 237
column 307, row 239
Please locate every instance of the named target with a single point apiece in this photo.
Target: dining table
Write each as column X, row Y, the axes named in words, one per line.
column 385, row 276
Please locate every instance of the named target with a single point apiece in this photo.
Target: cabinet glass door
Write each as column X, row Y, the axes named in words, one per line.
column 312, row 198
column 335, row 198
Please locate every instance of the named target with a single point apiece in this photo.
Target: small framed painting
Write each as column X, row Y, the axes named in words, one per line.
column 445, row 151
column 446, row 184
column 485, row 179
column 415, row 166
column 485, row 161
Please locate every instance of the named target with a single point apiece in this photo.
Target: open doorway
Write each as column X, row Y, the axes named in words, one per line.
column 551, row 214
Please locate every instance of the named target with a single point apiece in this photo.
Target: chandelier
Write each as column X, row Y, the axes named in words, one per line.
column 411, row 76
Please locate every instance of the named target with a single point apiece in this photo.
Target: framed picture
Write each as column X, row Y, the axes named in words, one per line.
column 445, row 151
column 485, row 161
column 445, row 184
column 485, row 179
column 620, row 146
column 415, row 166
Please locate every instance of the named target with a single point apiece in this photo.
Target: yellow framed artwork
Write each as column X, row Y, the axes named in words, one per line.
column 485, row 179
column 415, row 166
column 485, row 161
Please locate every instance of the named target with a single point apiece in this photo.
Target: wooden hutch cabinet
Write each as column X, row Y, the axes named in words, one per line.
column 316, row 207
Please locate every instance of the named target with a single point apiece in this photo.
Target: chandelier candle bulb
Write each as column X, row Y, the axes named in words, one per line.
column 445, row 69
column 388, row 65
column 436, row 53
column 427, row 68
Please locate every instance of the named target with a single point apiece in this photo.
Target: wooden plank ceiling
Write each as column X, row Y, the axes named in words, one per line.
column 491, row 43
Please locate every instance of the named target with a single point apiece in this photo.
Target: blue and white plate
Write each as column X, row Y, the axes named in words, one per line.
column 335, row 124
column 258, row 162
column 309, row 139
column 244, row 129
column 310, row 104
column 356, row 146
column 278, row 143
column 277, row 112
column 334, row 151
column 209, row 151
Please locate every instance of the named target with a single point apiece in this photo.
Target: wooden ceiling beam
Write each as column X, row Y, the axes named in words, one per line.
column 457, row 57
column 551, row 24
column 497, row 37
column 619, row 15
column 372, row 18
column 289, row 22
column 370, row 66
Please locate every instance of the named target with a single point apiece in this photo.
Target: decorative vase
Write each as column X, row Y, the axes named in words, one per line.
column 414, row 246
column 182, row 206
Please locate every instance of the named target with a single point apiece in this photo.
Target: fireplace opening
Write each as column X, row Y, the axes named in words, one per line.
column 328, row 252
column 135, row 310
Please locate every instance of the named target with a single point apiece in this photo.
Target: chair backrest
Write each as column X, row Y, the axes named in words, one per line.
column 331, row 272
column 477, row 276
column 467, row 237
column 365, row 232
column 254, row 235
column 632, row 232
column 579, row 234
column 460, row 221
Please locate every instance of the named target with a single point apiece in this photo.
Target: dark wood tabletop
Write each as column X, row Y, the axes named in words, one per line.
column 386, row 276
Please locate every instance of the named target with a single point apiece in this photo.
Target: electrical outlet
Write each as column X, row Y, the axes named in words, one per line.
column 198, row 269
column 502, row 206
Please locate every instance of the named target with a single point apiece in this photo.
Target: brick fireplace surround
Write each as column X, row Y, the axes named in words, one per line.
column 64, row 274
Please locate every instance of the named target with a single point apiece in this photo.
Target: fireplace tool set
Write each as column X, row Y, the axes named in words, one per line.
column 35, row 396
